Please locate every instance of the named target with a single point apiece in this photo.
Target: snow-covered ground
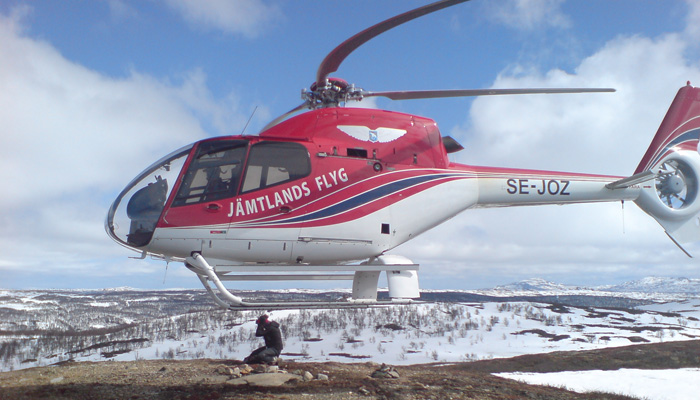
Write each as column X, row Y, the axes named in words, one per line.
column 414, row 334
column 464, row 332
column 674, row 384
column 435, row 333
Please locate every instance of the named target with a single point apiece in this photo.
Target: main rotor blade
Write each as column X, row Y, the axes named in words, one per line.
column 333, row 60
column 432, row 94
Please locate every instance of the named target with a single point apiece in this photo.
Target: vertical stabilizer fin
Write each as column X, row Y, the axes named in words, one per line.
column 673, row 161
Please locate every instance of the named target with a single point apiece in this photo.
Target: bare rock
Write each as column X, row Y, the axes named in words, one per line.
column 259, row 368
column 245, row 369
column 385, row 372
column 224, row 370
column 307, row 376
column 264, row 379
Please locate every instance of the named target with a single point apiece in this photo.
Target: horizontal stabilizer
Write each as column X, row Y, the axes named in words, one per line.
column 451, row 145
column 632, row 180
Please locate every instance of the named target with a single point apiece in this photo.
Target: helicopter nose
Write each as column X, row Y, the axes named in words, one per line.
column 133, row 217
column 133, row 225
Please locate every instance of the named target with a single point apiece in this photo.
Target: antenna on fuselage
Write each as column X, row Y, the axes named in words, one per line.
column 623, row 216
column 251, row 117
column 167, row 263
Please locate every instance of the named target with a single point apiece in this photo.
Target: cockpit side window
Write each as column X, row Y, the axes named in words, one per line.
column 274, row 163
column 214, row 173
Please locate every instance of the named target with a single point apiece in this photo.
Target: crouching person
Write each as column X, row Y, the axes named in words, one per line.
column 270, row 331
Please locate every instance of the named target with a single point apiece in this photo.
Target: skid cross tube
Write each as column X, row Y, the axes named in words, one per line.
column 201, row 265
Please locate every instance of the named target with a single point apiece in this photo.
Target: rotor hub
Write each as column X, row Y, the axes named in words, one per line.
column 334, row 92
column 677, row 184
column 673, row 184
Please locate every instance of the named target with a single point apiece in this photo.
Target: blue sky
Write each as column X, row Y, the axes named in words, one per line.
column 93, row 92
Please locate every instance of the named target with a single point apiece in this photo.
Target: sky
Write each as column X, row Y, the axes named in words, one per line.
column 91, row 93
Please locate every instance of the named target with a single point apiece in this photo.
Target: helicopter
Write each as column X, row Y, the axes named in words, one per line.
column 327, row 193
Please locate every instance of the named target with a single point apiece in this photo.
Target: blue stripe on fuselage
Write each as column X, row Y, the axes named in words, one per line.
column 366, row 197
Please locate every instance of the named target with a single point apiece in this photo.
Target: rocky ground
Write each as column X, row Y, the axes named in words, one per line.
column 226, row 379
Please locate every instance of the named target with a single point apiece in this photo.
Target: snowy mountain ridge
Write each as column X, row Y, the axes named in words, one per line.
column 658, row 285
column 538, row 285
column 648, row 285
column 652, row 288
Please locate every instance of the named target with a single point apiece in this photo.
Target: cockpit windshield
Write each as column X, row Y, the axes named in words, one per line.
column 133, row 224
column 214, row 173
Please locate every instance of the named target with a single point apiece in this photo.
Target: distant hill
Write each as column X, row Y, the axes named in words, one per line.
column 658, row 285
column 649, row 285
column 537, row 285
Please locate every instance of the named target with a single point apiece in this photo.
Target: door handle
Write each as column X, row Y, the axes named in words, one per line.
column 213, row 207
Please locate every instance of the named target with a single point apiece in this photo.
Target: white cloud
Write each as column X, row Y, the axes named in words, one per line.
column 546, row 130
column 692, row 22
column 247, row 17
column 529, row 14
column 72, row 138
column 223, row 114
column 64, row 124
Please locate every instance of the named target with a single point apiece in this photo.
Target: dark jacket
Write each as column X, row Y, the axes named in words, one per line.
column 270, row 331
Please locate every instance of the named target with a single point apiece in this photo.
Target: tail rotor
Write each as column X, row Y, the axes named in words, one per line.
column 676, row 184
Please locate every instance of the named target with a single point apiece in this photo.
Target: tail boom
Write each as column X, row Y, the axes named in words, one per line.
column 502, row 187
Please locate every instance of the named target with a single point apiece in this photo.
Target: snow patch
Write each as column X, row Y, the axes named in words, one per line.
column 642, row 383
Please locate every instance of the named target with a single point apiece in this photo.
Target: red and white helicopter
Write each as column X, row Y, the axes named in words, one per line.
column 326, row 194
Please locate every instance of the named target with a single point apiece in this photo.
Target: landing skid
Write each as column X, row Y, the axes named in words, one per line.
column 402, row 278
